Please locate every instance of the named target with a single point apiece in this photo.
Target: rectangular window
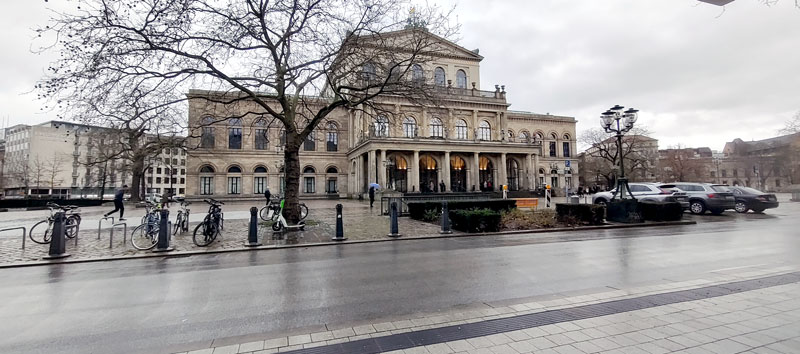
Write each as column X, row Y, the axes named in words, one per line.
column 310, row 144
column 735, row 173
column 166, row 161
column 174, row 161
column 331, row 186
column 173, row 180
column 777, row 183
column 259, row 185
column 174, row 151
column 181, row 190
column 234, row 185
column 235, row 138
column 724, row 173
column 552, row 149
column 183, row 180
column 309, row 184
column 261, row 139
column 183, row 162
column 149, row 180
column 566, row 149
column 713, row 173
column 206, row 185
column 568, row 181
column 158, row 170
column 166, row 171
column 183, row 152
column 333, row 141
column 553, row 182
column 207, row 138
column 541, row 180
column 183, row 172
column 158, row 179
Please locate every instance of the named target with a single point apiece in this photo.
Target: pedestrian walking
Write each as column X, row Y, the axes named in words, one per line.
column 267, row 194
column 442, row 186
column 371, row 196
column 118, row 195
column 165, row 198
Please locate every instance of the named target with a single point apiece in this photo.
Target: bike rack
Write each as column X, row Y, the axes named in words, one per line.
column 124, row 233
column 100, row 224
column 24, row 232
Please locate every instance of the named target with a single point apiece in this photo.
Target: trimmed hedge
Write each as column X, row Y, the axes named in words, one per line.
column 417, row 210
column 625, row 210
column 475, row 220
column 42, row 203
column 661, row 211
column 591, row 214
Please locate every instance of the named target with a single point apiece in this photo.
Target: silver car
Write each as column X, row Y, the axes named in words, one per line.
column 658, row 192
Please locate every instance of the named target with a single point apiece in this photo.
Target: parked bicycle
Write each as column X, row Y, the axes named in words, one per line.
column 270, row 211
column 42, row 231
column 182, row 220
column 207, row 231
column 145, row 236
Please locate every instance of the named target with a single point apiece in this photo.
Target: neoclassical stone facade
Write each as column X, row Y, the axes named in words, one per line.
column 468, row 142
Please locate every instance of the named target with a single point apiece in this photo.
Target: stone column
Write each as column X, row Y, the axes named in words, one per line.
column 536, row 170
column 529, row 175
column 446, row 170
column 382, row 169
column 415, row 172
column 372, row 178
column 502, row 172
column 476, row 167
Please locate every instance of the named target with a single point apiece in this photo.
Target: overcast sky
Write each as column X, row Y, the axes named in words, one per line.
column 700, row 77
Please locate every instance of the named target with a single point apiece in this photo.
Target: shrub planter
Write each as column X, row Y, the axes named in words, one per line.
column 661, row 211
column 625, row 210
column 417, row 210
column 586, row 214
column 475, row 220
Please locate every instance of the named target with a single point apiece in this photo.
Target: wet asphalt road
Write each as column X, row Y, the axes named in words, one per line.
column 150, row 305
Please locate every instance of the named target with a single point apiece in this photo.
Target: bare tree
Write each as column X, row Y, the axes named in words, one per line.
column 602, row 156
column 38, row 172
column 792, row 125
column 19, row 174
column 293, row 62
column 678, row 163
column 54, row 168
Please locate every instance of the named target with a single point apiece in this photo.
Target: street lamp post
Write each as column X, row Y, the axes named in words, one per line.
column 610, row 121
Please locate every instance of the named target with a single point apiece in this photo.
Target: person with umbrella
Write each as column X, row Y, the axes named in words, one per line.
column 372, row 188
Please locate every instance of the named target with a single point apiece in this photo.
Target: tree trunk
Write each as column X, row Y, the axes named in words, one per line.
column 291, row 161
column 138, row 172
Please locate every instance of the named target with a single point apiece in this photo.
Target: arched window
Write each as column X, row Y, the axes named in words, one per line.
column 234, row 180
column 439, row 77
column 485, row 131
column 309, row 181
column 510, row 135
column 461, row 129
column 331, row 183
column 565, row 146
column 538, row 137
column 261, row 134
column 332, row 169
column 207, row 133
column 382, row 126
column 235, row 134
column 552, row 144
column 259, row 180
column 436, row 128
column 368, row 72
column 310, row 144
column 331, row 137
column 417, row 74
column 409, row 127
column 206, row 180
column 461, row 79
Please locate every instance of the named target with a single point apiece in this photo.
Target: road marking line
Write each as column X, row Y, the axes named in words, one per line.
column 732, row 268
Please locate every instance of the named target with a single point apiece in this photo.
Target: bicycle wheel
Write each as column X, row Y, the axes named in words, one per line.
column 205, row 233
column 264, row 213
column 71, row 226
column 303, row 211
column 143, row 240
column 178, row 224
column 40, row 232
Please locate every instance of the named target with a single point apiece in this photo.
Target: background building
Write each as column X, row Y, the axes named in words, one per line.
column 469, row 142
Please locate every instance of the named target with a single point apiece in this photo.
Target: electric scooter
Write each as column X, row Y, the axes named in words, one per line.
column 281, row 225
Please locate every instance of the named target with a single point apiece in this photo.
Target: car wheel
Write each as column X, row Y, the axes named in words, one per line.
column 697, row 207
column 740, row 207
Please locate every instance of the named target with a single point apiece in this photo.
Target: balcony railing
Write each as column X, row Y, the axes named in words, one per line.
column 370, row 135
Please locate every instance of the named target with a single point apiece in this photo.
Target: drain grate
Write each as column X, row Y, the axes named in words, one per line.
column 509, row 324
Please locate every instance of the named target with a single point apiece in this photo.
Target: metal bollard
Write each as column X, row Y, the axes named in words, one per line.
column 163, row 233
column 445, row 220
column 252, row 232
column 339, row 225
column 58, row 246
column 393, row 229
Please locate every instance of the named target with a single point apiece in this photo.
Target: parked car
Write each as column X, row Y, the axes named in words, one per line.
column 752, row 199
column 648, row 191
column 153, row 197
column 715, row 198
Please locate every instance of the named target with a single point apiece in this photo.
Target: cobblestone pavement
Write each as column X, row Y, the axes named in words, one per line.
column 761, row 317
column 360, row 223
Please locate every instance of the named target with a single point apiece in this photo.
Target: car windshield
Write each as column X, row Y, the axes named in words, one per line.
column 721, row 189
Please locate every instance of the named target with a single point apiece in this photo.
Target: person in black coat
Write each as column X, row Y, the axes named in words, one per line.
column 371, row 195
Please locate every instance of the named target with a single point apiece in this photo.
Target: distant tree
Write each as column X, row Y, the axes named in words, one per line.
column 38, row 172
column 678, row 163
column 19, row 174
column 792, row 125
column 54, row 168
column 602, row 156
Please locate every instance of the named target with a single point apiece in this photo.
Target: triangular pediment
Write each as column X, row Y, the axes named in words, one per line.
column 439, row 46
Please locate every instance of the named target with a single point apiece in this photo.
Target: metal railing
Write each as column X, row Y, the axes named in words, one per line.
column 24, row 233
